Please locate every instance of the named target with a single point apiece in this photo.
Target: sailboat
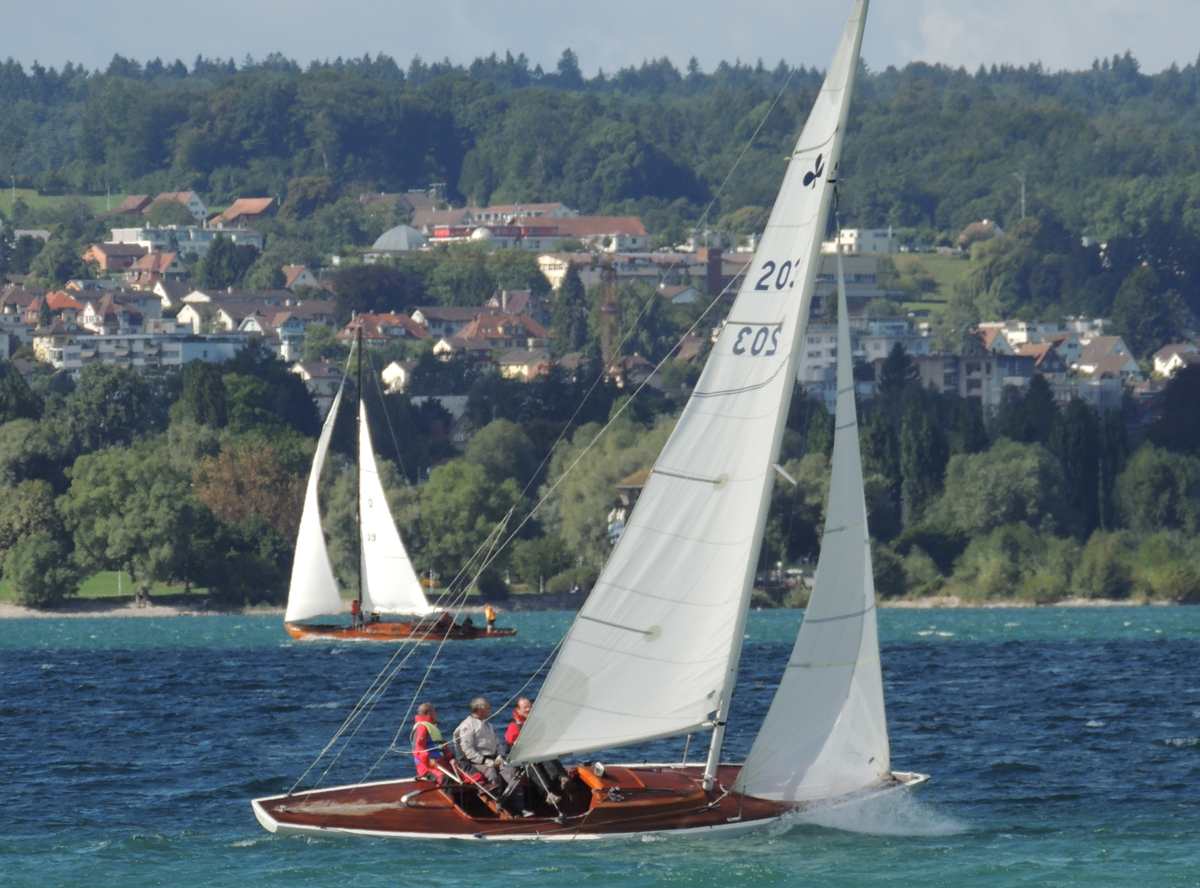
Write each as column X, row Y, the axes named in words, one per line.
column 654, row 651
column 387, row 582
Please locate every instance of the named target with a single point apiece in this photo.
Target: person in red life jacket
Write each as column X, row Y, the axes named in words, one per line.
column 431, row 752
column 524, row 705
column 354, row 611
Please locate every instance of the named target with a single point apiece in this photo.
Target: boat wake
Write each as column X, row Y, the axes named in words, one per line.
column 889, row 814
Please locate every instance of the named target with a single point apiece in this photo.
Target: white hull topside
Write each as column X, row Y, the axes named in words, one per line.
column 907, row 781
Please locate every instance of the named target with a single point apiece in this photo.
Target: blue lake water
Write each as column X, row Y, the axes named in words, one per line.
column 1064, row 748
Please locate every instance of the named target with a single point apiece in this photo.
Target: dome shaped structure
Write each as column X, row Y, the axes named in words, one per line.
column 482, row 235
column 400, row 239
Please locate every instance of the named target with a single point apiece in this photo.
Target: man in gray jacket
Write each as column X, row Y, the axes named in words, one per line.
column 481, row 751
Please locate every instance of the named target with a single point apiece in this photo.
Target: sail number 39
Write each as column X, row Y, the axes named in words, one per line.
column 756, row 340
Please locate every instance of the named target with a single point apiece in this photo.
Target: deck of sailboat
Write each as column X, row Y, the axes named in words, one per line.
column 395, row 630
column 626, row 801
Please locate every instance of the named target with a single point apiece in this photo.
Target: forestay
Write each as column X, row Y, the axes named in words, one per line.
column 313, row 590
column 654, row 650
column 826, row 732
column 390, row 584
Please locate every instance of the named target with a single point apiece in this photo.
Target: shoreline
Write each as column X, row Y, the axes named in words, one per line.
column 103, row 608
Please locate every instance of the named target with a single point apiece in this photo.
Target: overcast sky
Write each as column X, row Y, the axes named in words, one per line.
column 610, row 34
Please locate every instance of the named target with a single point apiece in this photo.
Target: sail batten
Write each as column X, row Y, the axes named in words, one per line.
column 390, row 584
column 685, row 561
column 313, row 591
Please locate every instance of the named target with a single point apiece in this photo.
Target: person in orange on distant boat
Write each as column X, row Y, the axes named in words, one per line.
column 354, row 613
column 432, row 754
column 489, row 614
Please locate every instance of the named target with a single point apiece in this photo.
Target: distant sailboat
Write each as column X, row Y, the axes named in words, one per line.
column 654, row 652
column 388, row 583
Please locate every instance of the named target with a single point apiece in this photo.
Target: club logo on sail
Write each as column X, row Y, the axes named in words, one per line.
column 810, row 178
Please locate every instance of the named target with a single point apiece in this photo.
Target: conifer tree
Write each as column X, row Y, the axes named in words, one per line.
column 1074, row 439
column 570, row 316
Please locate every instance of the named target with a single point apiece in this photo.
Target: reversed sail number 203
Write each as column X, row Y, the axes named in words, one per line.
column 757, row 339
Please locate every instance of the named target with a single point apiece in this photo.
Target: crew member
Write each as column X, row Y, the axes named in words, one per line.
column 430, row 750
column 489, row 614
column 354, row 613
column 524, row 706
column 482, row 752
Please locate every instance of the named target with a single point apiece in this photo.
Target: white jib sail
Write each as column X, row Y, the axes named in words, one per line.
column 826, row 732
column 654, row 650
column 390, row 585
column 313, row 590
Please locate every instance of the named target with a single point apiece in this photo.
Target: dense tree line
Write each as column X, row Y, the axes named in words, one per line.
column 1108, row 151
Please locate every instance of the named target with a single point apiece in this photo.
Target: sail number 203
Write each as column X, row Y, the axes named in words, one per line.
column 756, row 339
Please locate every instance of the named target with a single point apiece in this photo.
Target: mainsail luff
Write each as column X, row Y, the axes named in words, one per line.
column 670, row 605
column 389, row 582
column 825, row 734
column 313, row 591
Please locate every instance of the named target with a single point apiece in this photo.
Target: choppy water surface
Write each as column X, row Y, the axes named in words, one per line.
column 1064, row 746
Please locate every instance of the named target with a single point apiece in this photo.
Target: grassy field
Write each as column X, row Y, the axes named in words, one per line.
column 946, row 270
column 98, row 202
column 105, row 585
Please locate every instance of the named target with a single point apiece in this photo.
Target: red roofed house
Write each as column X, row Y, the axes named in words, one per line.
column 1046, row 359
column 995, row 341
column 384, row 328
column 133, row 204
column 62, row 308
column 107, row 315
column 299, row 276
column 155, row 267
column 245, row 211
column 114, row 257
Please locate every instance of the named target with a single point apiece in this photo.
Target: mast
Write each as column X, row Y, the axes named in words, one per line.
column 853, row 37
column 357, row 445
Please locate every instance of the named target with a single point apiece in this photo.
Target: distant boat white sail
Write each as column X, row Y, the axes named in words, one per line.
column 390, row 585
column 313, row 590
column 654, row 650
column 826, row 732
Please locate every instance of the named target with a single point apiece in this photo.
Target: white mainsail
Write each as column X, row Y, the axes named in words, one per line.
column 390, row 584
column 314, row 590
column 826, row 732
column 654, row 650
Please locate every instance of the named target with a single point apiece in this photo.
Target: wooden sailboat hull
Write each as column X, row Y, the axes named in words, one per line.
column 395, row 630
column 626, row 802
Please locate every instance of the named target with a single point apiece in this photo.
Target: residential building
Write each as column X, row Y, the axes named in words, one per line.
column 1170, row 358
column 155, row 267
column 1067, row 345
column 14, row 322
column 114, row 257
column 384, row 327
column 524, row 365
column 322, row 380
column 1108, row 356
column 172, row 292
column 983, row 377
column 133, row 205
column 189, row 199
column 425, row 221
column 185, row 239
column 245, row 211
column 396, row 376
column 506, row 331
column 68, row 346
column 1103, row 394
column 1046, row 359
column 609, row 234
column 282, row 332
column 295, row 276
column 862, row 287
column 994, row 340
column 522, row 302
column 871, row 340
column 107, row 315
column 63, row 307
column 863, row 240
column 446, row 320
column 49, row 344
column 506, row 213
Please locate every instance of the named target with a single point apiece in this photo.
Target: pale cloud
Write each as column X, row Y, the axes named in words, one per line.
column 1058, row 33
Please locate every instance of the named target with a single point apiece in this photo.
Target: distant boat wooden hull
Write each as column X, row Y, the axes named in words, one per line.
column 395, row 630
column 624, row 802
